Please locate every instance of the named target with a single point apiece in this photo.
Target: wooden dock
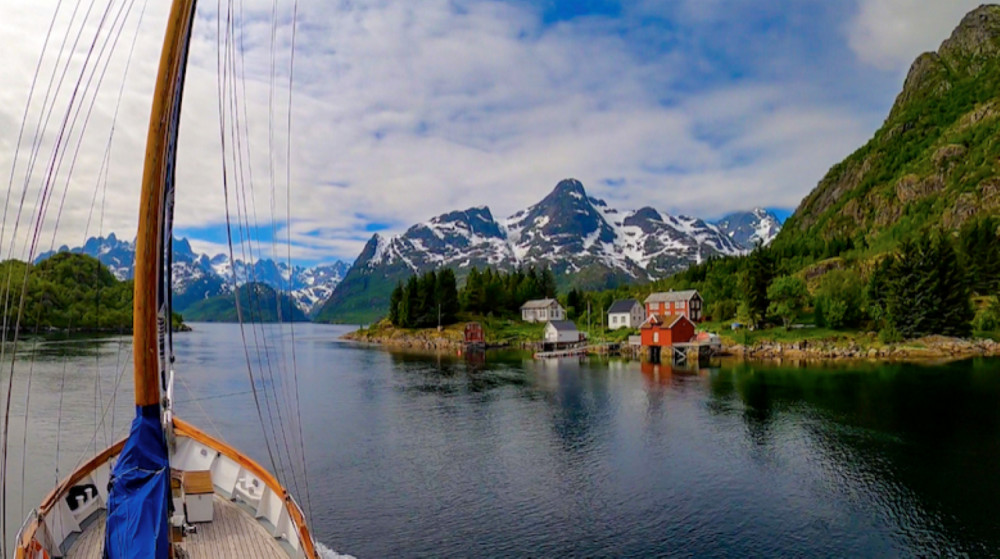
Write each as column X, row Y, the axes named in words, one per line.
column 568, row 352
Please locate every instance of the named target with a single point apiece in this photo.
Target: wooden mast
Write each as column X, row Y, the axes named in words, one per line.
column 157, row 180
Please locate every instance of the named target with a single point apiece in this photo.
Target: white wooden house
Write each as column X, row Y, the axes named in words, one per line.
column 542, row 310
column 626, row 313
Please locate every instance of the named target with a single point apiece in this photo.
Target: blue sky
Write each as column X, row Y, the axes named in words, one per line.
column 405, row 110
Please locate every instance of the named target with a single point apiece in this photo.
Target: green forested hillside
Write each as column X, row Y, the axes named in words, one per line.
column 258, row 303
column 935, row 162
column 66, row 291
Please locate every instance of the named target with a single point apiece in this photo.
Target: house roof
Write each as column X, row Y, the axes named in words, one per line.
column 563, row 325
column 539, row 304
column 622, row 306
column 668, row 296
column 666, row 321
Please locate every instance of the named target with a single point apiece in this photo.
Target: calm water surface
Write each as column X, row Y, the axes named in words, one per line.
column 418, row 456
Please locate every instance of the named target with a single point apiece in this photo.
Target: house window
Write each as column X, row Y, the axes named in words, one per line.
column 656, row 337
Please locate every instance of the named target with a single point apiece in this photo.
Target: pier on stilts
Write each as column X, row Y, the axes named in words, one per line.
column 681, row 353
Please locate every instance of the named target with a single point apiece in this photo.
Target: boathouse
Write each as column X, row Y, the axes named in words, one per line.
column 561, row 332
column 474, row 335
column 663, row 331
column 660, row 332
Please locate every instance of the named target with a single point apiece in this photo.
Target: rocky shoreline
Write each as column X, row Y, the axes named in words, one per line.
column 409, row 339
column 936, row 348
column 927, row 348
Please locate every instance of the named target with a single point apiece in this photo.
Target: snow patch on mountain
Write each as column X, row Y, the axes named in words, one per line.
column 747, row 229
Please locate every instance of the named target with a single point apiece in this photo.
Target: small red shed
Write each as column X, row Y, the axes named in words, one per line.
column 664, row 331
column 474, row 334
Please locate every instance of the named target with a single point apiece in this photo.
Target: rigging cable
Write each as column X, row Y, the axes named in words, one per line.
column 222, row 74
column 288, row 220
column 244, row 172
column 24, row 285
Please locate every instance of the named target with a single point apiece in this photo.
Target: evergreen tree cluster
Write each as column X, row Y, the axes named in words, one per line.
column 503, row 293
column 922, row 290
column 425, row 301
column 980, row 249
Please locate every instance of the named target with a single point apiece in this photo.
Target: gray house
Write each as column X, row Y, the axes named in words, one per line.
column 626, row 313
column 542, row 310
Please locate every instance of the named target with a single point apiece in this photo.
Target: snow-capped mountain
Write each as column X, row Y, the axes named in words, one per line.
column 746, row 229
column 583, row 240
column 567, row 231
column 198, row 276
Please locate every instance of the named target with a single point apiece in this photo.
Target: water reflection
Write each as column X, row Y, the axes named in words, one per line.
column 918, row 442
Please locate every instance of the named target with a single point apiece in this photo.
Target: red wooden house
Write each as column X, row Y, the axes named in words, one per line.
column 688, row 303
column 664, row 331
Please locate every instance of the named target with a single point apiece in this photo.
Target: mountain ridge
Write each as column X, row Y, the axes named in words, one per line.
column 200, row 276
column 933, row 162
column 582, row 239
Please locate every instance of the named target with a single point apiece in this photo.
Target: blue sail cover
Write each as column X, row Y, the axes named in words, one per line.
column 139, row 493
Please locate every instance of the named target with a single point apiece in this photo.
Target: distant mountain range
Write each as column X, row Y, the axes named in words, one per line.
column 198, row 276
column 584, row 241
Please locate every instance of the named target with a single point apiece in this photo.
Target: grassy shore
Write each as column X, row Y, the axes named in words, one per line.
column 499, row 331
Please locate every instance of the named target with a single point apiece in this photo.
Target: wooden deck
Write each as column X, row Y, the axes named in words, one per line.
column 232, row 533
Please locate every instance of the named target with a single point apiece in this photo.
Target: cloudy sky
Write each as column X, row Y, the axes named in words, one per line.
column 405, row 110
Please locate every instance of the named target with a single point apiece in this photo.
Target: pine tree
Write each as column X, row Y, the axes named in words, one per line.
column 447, row 295
column 411, row 297
column 911, row 290
column 471, row 298
column 876, row 292
column 952, row 296
column 758, row 275
column 394, row 301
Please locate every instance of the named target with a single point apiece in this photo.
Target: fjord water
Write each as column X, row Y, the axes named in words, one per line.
column 436, row 455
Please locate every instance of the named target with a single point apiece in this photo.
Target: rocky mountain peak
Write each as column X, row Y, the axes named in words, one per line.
column 977, row 35
column 963, row 55
column 646, row 219
column 477, row 221
column 570, row 187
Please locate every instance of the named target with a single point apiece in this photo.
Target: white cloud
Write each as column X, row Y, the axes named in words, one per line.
column 404, row 110
column 890, row 34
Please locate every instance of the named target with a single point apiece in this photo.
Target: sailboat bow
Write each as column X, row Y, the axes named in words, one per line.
column 168, row 489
